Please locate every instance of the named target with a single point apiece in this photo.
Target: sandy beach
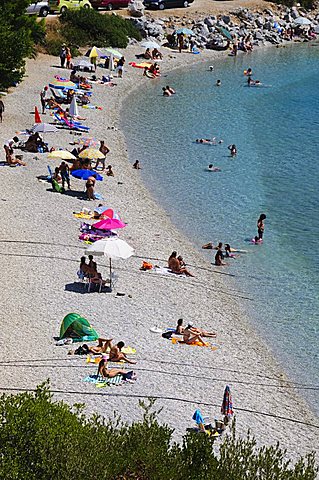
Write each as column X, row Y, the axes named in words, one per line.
column 40, row 256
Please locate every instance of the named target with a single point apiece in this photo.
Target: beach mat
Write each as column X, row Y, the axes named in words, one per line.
column 209, row 345
column 96, row 360
column 165, row 271
column 99, row 382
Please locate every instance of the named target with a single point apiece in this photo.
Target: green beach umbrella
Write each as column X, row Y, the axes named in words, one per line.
column 226, row 33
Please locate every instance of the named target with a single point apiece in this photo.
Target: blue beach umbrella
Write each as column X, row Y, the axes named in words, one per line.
column 84, row 174
column 184, row 31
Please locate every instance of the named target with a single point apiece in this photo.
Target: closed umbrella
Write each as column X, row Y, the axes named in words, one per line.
column 91, row 153
column 227, row 405
column 84, row 174
column 149, row 44
column 111, row 63
column 109, row 224
column 62, row 154
column 73, row 110
column 113, row 248
column 184, row 31
column 302, row 21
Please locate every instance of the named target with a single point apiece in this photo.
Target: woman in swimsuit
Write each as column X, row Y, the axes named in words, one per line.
column 261, row 226
column 90, row 184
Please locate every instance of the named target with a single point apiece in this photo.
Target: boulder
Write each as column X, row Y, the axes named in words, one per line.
column 225, row 19
column 210, row 22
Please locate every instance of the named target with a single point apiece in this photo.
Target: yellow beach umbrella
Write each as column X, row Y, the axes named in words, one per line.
column 91, row 153
column 63, row 154
column 94, row 52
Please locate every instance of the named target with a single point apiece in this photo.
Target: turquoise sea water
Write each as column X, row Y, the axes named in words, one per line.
column 276, row 130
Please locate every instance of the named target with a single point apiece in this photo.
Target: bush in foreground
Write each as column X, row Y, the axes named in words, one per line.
column 41, row 439
column 88, row 27
column 18, row 35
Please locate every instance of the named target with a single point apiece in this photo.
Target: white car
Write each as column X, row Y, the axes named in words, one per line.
column 38, row 8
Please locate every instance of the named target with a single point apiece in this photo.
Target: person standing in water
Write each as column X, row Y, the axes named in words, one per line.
column 261, row 226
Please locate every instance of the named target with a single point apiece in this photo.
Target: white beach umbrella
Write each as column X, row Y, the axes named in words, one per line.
column 44, row 128
column 113, row 248
column 150, row 44
column 302, row 21
column 73, row 111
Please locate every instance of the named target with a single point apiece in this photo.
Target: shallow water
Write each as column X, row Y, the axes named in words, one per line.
column 276, row 170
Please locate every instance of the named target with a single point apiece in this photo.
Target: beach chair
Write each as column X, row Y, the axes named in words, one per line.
column 59, row 96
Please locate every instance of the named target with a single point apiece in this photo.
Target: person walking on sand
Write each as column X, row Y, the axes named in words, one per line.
column 180, row 42
column 261, row 226
column 65, row 174
column 68, row 58
column 43, row 98
column 104, row 150
column 90, row 184
column 63, row 55
column 1, row 110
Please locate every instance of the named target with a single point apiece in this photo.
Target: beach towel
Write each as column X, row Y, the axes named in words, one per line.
column 84, row 216
column 140, row 65
column 95, row 360
column 103, row 382
column 195, row 344
column 166, row 271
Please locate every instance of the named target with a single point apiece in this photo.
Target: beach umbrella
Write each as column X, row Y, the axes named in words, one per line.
column 113, row 248
column 227, row 405
column 302, row 21
column 111, row 63
column 107, row 212
column 60, row 84
column 184, row 31
column 62, row 154
column 73, row 110
column 89, row 142
column 84, row 174
column 111, row 51
column 91, row 153
column 94, row 52
column 44, row 128
column 149, row 44
column 109, row 224
column 226, row 33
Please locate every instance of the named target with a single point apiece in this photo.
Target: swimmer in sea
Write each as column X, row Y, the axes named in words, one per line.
column 170, row 90
column 166, row 92
column 261, row 226
column 218, row 83
column 249, row 71
column 233, row 150
column 211, row 168
column 203, row 140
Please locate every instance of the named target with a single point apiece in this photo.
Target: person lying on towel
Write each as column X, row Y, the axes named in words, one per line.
column 198, row 331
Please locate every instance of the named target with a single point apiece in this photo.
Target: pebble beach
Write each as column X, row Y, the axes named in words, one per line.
column 41, row 251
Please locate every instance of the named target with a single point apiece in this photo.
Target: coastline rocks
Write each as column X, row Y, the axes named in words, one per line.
column 261, row 26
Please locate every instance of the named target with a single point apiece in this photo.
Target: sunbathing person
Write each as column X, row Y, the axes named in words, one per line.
column 175, row 266
column 180, row 330
column 105, row 372
column 102, row 345
column 191, row 335
column 116, row 355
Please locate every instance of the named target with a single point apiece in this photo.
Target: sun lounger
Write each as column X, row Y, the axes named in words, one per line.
column 59, row 96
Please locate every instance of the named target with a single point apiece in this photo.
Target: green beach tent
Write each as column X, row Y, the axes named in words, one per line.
column 78, row 328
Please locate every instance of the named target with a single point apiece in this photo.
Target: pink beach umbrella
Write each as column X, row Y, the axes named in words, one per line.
column 109, row 224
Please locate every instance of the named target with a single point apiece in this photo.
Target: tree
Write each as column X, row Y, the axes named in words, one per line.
column 44, row 439
column 18, row 35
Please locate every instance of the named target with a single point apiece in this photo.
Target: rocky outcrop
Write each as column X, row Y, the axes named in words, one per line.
column 262, row 28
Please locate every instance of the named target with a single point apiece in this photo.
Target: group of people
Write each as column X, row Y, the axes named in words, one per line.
column 168, row 91
column 11, row 159
column 155, row 54
column 65, row 56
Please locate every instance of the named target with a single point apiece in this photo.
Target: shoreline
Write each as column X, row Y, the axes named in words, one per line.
column 155, row 299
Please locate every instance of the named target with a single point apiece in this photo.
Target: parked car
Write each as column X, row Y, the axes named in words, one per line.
column 38, row 8
column 109, row 4
column 61, row 6
column 161, row 4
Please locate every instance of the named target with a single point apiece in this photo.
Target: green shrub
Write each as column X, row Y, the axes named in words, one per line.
column 88, row 27
column 41, row 439
column 18, row 35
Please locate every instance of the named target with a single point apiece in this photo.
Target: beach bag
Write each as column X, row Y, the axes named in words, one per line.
column 167, row 335
column 146, row 266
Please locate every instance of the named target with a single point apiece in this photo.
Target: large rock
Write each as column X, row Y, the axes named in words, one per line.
column 225, row 19
column 210, row 21
column 136, row 8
